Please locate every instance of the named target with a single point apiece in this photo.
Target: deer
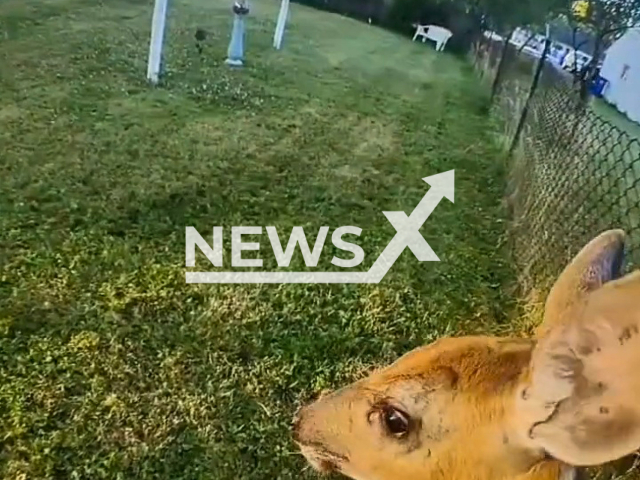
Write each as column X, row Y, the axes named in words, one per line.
column 499, row 408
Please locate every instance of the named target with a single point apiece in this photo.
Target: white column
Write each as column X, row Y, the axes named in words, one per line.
column 282, row 20
column 157, row 36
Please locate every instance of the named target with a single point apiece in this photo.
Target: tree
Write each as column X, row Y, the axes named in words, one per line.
column 605, row 20
column 504, row 16
column 606, row 17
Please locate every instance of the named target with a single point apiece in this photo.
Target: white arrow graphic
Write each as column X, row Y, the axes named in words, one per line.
column 408, row 228
column 408, row 235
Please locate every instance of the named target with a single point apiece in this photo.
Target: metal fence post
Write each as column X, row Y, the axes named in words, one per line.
column 532, row 91
column 154, row 65
column 501, row 64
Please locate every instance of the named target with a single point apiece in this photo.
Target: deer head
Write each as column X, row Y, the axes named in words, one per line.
column 486, row 408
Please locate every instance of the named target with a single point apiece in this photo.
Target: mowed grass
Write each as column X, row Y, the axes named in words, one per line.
column 611, row 114
column 111, row 366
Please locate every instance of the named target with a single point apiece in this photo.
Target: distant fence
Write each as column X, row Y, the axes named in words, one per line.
column 572, row 174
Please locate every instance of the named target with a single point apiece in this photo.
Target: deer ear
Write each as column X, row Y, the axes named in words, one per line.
column 580, row 401
column 600, row 261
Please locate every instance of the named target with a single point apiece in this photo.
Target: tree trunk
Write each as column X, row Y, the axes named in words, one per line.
column 590, row 70
column 574, row 67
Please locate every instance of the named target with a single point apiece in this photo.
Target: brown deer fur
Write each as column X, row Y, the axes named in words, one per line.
column 487, row 408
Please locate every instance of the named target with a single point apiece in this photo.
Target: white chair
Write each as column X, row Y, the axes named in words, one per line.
column 440, row 35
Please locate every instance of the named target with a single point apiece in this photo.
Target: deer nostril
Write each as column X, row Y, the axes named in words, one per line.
column 297, row 420
column 299, row 415
column 298, row 430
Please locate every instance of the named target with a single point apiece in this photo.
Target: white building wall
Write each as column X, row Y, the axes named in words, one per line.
column 621, row 67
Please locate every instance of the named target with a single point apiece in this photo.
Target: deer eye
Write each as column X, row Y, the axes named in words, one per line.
column 395, row 421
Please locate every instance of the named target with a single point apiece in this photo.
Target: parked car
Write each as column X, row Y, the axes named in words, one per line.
column 492, row 36
column 578, row 62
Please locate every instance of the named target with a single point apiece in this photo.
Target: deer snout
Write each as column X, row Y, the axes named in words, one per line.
column 299, row 422
column 311, row 434
column 296, row 424
column 306, row 430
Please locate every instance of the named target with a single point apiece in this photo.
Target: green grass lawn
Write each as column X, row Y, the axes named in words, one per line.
column 613, row 116
column 111, row 366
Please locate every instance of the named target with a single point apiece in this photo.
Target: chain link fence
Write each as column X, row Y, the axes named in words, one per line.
column 572, row 173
